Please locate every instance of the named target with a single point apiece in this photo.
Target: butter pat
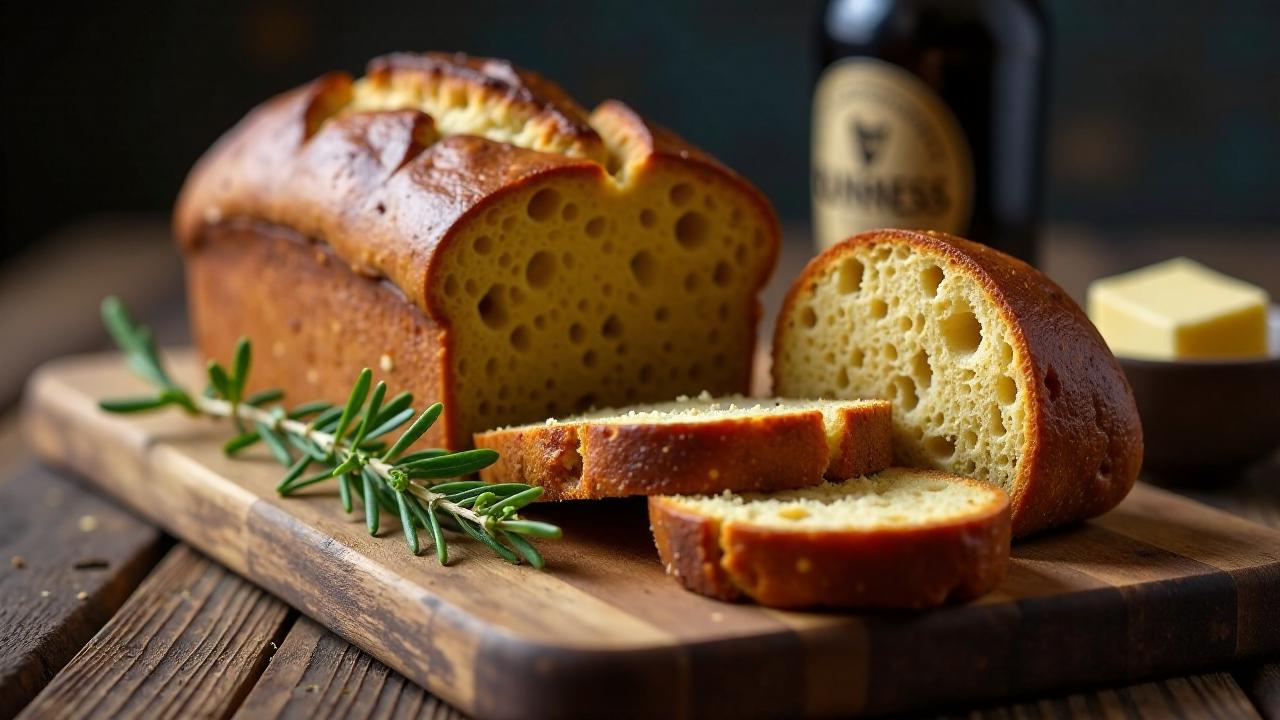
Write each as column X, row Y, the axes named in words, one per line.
column 1179, row 309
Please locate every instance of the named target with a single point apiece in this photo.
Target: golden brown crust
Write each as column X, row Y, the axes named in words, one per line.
column 1084, row 447
column 324, row 323
column 575, row 461
column 387, row 191
column 916, row 567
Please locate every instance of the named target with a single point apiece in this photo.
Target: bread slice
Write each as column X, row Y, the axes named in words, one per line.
column 693, row 445
column 994, row 371
column 901, row 538
column 471, row 233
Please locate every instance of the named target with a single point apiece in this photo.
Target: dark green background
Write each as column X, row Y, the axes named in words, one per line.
column 1160, row 111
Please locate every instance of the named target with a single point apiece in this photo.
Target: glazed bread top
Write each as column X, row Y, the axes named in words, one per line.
column 383, row 168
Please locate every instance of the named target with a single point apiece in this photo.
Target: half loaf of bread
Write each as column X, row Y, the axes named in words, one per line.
column 899, row 539
column 694, row 445
column 467, row 230
column 994, row 371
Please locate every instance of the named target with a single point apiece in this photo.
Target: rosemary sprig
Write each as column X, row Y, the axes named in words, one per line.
column 343, row 441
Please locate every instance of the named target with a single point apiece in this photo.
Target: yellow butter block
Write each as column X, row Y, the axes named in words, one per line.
column 1180, row 309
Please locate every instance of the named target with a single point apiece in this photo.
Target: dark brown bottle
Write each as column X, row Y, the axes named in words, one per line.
column 930, row 114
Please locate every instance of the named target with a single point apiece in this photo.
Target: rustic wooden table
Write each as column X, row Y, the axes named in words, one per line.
column 103, row 615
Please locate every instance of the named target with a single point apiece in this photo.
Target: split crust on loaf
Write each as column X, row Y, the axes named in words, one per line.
column 693, row 446
column 994, row 371
column 548, row 258
column 888, row 554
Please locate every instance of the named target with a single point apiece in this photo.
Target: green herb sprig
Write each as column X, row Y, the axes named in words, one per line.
column 347, row 443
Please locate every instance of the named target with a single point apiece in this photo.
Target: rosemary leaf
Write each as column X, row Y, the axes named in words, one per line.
column 481, row 536
column 452, row 465
column 530, row 527
column 309, row 408
column 499, row 489
column 525, row 548
column 240, row 442
column 370, row 506
column 274, row 443
column 262, row 397
column 437, row 536
column 308, row 482
column 136, row 342
column 516, row 501
column 390, row 424
column 381, row 489
column 218, row 379
column 393, row 407
column 354, row 402
column 240, row 369
column 406, row 522
column 132, row 405
column 415, row 431
column 307, row 447
column 370, row 413
column 421, row 455
column 295, row 471
column 344, row 492
column 454, row 487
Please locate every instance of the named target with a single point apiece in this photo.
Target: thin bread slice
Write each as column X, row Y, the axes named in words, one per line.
column 694, row 445
column 901, row 538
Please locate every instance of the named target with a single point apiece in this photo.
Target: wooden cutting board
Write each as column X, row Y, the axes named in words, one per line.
column 1161, row 585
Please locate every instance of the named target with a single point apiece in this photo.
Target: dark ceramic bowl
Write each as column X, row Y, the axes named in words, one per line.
column 1201, row 415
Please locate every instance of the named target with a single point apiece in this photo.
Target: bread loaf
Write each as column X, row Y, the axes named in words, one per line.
column 898, row 539
column 994, row 372
column 469, row 232
column 693, row 445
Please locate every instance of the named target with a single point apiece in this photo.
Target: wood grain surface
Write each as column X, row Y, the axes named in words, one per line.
column 69, row 560
column 1161, row 585
column 189, row 643
column 316, row 675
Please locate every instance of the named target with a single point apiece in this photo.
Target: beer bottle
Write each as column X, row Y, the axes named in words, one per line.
column 929, row 114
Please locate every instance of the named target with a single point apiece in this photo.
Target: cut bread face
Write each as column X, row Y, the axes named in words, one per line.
column 902, row 538
column 562, row 297
column 994, row 373
column 693, row 445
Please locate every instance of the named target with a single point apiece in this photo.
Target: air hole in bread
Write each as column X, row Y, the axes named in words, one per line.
column 451, row 286
column 961, row 330
column 939, row 447
column 890, row 352
column 1006, row 353
column 543, row 204
column 648, row 218
column 842, row 378
column 577, row 333
column 808, row 317
column 904, row 324
column 904, row 392
column 644, row 268
column 1006, row 390
column 681, row 193
column 996, row 424
column 722, row 275
column 595, row 227
column 569, row 211
column 920, row 369
column 879, row 308
column 612, row 327
column 520, row 338
column 691, row 282
column 483, row 245
column 540, row 269
column 493, row 307
column 930, row 278
column 857, row 357
column 589, row 358
column 692, row 229
column 661, row 313
column 850, row 276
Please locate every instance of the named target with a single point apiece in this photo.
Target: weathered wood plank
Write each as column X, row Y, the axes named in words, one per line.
column 68, row 560
column 189, row 643
column 316, row 675
column 1215, row 695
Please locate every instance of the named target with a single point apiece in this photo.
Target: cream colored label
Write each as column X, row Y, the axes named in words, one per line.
column 887, row 152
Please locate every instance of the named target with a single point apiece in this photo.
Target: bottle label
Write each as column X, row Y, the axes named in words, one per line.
column 887, row 152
